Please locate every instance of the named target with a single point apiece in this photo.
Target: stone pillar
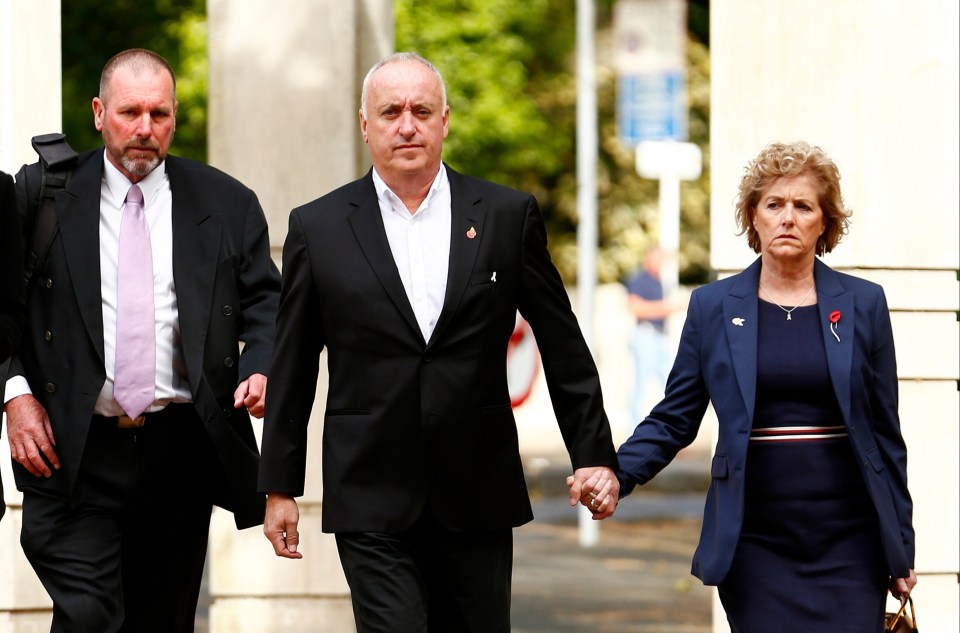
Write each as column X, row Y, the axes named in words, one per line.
column 29, row 77
column 875, row 84
column 29, row 105
column 284, row 94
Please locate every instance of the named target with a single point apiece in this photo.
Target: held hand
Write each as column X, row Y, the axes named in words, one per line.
column 251, row 394
column 597, row 488
column 903, row 586
column 280, row 525
column 31, row 436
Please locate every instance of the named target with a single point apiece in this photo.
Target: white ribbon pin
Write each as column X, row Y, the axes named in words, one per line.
column 738, row 321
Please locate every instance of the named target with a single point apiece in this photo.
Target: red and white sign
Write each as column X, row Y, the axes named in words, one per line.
column 522, row 362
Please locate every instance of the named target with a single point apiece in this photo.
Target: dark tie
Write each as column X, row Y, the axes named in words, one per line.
column 135, row 367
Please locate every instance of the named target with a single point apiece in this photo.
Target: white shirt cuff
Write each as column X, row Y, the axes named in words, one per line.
column 16, row 386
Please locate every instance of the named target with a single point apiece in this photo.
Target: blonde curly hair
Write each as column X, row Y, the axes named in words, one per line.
column 784, row 160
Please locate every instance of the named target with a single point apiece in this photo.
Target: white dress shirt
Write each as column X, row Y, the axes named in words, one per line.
column 171, row 384
column 420, row 243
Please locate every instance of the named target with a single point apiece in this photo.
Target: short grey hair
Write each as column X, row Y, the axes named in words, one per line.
column 392, row 59
column 138, row 60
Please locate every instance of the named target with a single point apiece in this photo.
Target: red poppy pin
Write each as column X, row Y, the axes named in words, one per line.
column 835, row 324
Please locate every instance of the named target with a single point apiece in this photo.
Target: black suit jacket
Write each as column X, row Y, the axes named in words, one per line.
column 11, row 270
column 11, row 281
column 227, row 290
column 410, row 422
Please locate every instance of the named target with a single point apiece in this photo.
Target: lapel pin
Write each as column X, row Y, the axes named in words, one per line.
column 493, row 277
column 835, row 324
column 738, row 321
column 472, row 233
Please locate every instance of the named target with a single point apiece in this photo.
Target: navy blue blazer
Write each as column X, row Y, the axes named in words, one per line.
column 717, row 363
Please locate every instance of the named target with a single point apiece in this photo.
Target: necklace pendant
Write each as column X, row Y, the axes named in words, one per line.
column 789, row 317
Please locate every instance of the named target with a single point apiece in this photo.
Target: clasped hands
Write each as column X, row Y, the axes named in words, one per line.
column 597, row 489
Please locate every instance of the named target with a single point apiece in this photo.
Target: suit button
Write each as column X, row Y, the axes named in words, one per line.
column 227, row 310
column 228, row 361
column 48, row 282
column 49, row 387
column 48, row 335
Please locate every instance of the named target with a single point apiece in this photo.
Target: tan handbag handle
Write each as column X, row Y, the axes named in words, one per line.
column 904, row 600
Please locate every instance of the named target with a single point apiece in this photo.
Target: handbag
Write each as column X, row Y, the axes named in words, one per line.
column 901, row 621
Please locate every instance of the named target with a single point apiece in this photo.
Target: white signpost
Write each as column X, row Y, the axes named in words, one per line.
column 650, row 58
column 669, row 162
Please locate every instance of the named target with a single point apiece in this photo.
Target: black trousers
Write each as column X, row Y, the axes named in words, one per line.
column 127, row 555
column 429, row 579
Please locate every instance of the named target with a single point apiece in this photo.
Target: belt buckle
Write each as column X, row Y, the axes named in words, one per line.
column 126, row 422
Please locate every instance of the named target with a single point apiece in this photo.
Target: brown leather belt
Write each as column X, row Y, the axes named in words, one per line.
column 126, row 422
column 173, row 410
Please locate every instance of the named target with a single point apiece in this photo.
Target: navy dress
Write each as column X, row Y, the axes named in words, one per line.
column 809, row 556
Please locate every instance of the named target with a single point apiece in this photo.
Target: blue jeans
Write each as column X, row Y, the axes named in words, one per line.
column 648, row 347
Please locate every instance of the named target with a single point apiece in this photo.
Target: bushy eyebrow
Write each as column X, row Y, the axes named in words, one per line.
column 399, row 105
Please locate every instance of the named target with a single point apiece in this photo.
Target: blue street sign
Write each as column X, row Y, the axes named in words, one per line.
column 652, row 107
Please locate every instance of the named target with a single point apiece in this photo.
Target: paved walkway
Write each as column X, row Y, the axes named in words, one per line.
column 636, row 580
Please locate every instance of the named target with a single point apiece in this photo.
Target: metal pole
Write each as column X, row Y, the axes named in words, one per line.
column 587, row 143
column 670, row 231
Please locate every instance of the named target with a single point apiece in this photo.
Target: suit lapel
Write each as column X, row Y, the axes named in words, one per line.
column 78, row 219
column 367, row 225
column 467, row 214
column 196, row 251
column 740, row 322
column 831, row 297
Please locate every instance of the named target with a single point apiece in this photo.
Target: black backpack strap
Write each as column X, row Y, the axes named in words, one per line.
column 55, row 153
column 57, row 160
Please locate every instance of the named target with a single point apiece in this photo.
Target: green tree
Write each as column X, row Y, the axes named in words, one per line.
column 95, row 30
column 509, row 70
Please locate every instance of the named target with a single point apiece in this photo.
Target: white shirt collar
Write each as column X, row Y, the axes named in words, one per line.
column 393, row 201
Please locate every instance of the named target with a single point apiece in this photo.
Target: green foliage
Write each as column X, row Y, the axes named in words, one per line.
column 509, row 69
column 501, row 68
column 510, row 72
column 95, row 30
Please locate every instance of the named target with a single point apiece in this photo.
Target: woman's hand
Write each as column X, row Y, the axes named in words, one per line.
column 903, row 586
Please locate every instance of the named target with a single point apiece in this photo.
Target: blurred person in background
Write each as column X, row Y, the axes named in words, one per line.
column 649, row 346
column 808, row 519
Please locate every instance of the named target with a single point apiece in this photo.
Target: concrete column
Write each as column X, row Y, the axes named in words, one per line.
column 29, row 77
column 875, row 84
column 29, row 105
column 284, row 94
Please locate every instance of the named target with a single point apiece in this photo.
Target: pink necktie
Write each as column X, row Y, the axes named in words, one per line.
column 135, row 367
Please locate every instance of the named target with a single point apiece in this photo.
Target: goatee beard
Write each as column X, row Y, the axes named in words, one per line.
column 140, row 166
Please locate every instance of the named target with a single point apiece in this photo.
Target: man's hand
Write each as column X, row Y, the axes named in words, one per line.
column 597, row 488
column 251, row 394
column 280, row 525
column 31, row 436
